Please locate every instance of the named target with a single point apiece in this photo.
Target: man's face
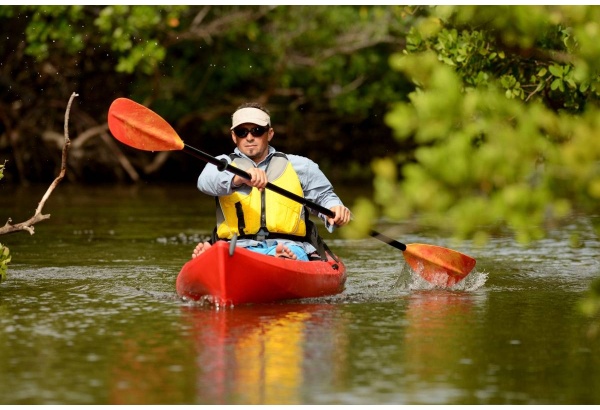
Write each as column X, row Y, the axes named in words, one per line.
column 254, row 146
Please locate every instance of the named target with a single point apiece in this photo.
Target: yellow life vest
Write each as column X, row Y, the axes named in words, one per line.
column 243, row 214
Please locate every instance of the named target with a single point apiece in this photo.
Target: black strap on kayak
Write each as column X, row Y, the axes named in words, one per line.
column 313, row 237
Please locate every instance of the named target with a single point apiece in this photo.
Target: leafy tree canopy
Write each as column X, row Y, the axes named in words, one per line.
column 323, row 72
column 473, row 118
column 504, row 114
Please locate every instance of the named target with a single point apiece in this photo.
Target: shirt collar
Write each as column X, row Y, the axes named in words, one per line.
column 267, row 158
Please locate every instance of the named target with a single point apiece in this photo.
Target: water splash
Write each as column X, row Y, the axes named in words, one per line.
column 411, row 280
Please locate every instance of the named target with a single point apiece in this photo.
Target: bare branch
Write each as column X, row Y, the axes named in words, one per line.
column 38, row 216
column 110, row 142
column 157, row 162
column 89, row 134
column 203, row 30
column 199, row 17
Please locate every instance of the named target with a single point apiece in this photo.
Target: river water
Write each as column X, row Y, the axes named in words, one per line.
column 89, row 315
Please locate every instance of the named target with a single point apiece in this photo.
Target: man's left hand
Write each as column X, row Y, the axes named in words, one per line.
column 342, row 215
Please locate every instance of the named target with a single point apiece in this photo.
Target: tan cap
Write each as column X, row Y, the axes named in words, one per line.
column 250, row 115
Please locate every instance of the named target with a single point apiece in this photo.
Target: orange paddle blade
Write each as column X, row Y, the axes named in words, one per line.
column 141, row 128
column 441, row 266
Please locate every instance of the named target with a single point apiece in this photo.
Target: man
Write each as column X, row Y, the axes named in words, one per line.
column 262, row 220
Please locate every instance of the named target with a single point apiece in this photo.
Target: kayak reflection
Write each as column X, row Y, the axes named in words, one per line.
column 266, row 354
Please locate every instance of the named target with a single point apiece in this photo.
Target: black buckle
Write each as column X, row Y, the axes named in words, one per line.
column 262, row 234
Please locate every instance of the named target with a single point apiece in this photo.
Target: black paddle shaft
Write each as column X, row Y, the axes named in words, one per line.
column 223, row 165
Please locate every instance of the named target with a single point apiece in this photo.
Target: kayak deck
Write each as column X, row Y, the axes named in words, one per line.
column 251, row 277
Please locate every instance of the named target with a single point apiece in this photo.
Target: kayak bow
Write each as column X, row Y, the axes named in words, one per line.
column 250, row 277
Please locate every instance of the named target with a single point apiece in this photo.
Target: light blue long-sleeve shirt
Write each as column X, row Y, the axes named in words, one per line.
column 315, row 185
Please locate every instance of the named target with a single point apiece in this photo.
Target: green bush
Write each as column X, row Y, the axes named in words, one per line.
column 4, row 260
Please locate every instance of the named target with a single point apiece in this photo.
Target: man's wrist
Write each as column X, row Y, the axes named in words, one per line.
column 233, row 185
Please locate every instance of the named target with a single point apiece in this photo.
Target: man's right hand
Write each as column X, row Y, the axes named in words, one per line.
column 258, row 179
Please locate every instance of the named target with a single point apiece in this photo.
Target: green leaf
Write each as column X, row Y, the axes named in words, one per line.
column 556, row 71
column 557, row 83
column 4, row 260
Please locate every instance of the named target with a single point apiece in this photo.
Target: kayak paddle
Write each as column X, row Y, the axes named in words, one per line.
column 139, row 127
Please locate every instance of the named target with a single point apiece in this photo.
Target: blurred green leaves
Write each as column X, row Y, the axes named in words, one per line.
column 137, row 33
column 505, row 117
column 52, row 24
column 134, row 33
column 4, row 260
column 590, row 307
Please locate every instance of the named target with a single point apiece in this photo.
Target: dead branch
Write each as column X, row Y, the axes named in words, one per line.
column 157, row 162
column 89, row 134
column 84, row 137
column 206, row 30
column 110, row 142
column 38, row 216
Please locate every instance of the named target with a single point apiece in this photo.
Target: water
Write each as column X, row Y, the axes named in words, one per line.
column 89, row 315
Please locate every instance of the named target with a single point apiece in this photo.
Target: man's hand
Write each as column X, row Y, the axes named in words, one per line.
column 342, row 215
column 258, row 179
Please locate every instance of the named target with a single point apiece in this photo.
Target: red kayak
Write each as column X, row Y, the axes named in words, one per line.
column 251, row 277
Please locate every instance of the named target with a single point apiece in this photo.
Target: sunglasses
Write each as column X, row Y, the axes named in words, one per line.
column 242, row 132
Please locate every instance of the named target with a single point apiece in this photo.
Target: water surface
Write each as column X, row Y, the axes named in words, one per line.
column 89, row 315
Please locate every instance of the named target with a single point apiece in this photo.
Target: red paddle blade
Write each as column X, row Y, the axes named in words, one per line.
column 440, row 266
column 141, row 128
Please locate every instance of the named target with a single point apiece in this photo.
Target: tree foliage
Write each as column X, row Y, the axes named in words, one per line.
column 505, row 119
column 589, row 306
column 4, row 260
column 322, row 71
column 493, row 108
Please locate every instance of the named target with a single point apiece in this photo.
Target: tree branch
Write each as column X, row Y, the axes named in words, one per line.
column 112, row 145
column 38, row 216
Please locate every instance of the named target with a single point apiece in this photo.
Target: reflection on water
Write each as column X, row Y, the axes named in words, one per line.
column 89, row 315
column 437, row 341
column 265, row 354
